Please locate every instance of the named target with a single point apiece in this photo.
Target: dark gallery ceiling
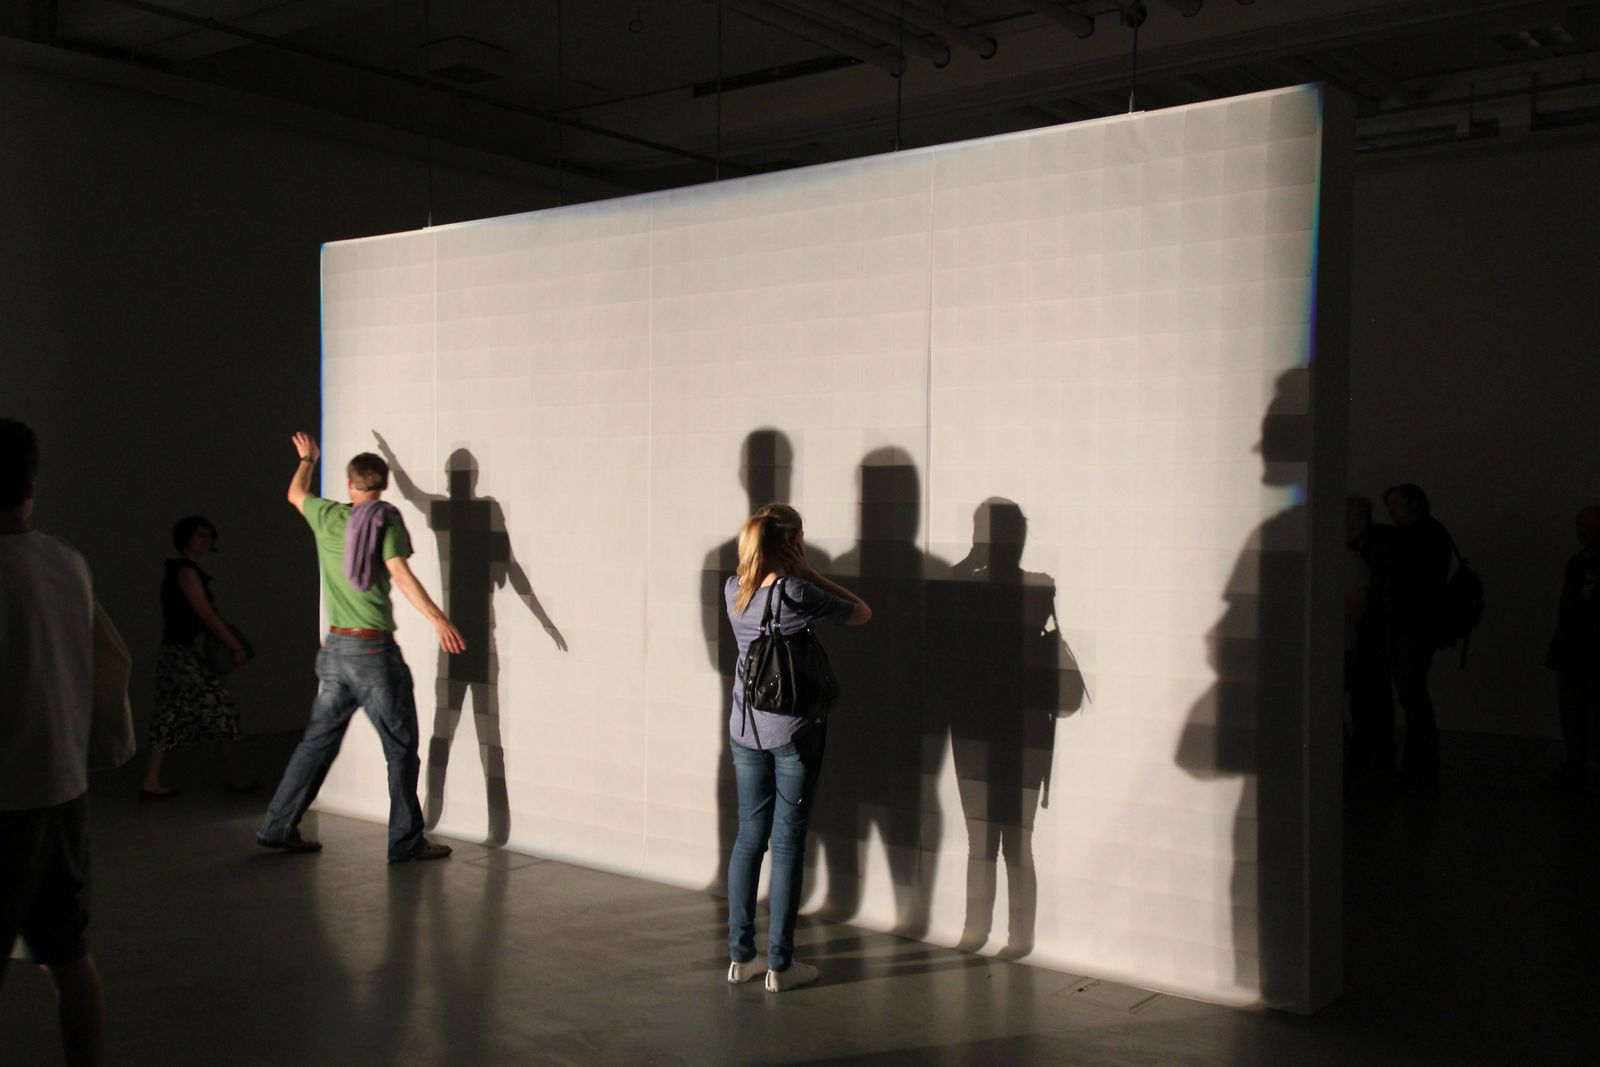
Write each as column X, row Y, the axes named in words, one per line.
column 621, row 95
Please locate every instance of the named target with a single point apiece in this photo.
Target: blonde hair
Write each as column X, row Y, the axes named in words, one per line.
column 762, row 535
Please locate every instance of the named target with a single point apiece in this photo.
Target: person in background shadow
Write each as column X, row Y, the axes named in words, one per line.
column 1003, row 674
column 766, row 470
column 1575, row 654
column 1248, row 724
column 776, row 758
column 1366, row 660
column 1416, row 572
column 475, row 559
column 47, row 684
column 887, row 749
column 192, row 703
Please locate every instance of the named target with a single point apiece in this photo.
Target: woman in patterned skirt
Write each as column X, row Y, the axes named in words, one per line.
column 192, row 704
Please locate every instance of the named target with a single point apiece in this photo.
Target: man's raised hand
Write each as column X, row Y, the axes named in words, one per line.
column 306, row 445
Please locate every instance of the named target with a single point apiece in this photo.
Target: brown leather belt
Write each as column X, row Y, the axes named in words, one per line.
column 348, row 632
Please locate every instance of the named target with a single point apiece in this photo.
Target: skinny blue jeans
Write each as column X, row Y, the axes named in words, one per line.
column 777, row 789
column 355, row 672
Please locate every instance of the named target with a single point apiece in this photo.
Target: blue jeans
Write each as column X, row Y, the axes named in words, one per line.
column 777, row 789
column 355, row 672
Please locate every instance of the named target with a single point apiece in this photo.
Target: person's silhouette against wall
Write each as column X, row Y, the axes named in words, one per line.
column 1001, row 673
column 882, row 742
column 475, row 559
column 1413, row 590
column 766, row 469
column 1249, row 726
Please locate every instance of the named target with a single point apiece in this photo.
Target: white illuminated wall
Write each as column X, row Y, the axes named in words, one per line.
column 1092, row 344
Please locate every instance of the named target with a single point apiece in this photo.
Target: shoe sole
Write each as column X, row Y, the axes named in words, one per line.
column 302, row 848
column 418, row 857
column 776, row 984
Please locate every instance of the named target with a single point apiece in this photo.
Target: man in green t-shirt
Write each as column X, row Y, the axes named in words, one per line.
column 361, row 549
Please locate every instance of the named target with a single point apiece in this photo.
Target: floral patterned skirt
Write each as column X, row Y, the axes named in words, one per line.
column 192, row 704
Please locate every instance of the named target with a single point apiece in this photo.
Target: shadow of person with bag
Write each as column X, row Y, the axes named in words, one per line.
column 1000, row 675
column 1250, row 725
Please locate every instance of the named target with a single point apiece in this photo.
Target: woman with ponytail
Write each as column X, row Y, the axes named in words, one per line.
column 776, row 758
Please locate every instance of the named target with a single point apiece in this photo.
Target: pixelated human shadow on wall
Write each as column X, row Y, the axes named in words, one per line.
column 1249, row 725
column 1000, row 675
column 475, row 559
column 883, row 755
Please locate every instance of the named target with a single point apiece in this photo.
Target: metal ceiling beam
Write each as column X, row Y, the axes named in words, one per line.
column 1062, row 15
column 892, row 33
column 935, row 23
column 1392, row 88
column 845, row 44
column 424, row 82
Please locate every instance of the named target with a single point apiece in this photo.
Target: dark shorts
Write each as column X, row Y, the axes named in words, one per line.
column 44, row 886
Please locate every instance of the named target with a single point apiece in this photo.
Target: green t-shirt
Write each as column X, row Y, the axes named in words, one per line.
column 346, row 607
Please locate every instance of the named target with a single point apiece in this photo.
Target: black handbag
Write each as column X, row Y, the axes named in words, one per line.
column 786, row 674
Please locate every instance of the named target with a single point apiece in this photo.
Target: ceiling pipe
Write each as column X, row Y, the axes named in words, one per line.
column 845, row 44
column 883, row 29
column 1061, row 15
column 931, row 22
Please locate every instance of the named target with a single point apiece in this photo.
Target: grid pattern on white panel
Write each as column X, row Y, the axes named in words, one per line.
column 1042, row 399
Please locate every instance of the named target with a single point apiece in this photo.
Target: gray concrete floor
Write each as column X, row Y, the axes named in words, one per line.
column 1471, row 939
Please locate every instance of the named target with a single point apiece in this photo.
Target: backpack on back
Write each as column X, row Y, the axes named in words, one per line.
column 1461, row 607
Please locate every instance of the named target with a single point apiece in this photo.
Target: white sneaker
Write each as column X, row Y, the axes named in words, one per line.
column 743, row 972
column 797, row 974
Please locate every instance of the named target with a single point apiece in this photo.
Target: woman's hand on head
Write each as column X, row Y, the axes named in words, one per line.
column 793, row 559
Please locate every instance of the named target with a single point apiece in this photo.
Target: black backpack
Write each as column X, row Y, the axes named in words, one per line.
column 1461, row 608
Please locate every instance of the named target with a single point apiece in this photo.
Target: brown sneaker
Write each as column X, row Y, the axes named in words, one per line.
column 429, row 850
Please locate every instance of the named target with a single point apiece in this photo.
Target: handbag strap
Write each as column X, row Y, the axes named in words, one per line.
column 770, row 618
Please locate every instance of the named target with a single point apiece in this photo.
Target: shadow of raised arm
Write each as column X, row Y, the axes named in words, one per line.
column 409, row 489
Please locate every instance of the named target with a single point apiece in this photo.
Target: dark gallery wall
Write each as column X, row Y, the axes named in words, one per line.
column 1475, row 370
column 159, row 294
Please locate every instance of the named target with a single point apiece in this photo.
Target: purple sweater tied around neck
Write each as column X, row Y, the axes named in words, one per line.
column 363, row 538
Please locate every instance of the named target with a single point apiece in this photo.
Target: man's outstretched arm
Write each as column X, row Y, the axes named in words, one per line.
column 300, row 484
column 400, row 573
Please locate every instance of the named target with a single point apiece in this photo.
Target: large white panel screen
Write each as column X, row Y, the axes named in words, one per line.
column 1043, row 399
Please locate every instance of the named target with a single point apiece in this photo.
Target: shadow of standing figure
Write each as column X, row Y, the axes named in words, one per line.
column 883, row 753
column 766, row 468
column 1001, row 675
column 1249, row 725
column 475, row 559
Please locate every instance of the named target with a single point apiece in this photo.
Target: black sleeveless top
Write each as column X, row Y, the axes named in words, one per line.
column 179, row 624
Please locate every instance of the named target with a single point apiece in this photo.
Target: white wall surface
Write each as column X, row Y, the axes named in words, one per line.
column 1087, row 324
